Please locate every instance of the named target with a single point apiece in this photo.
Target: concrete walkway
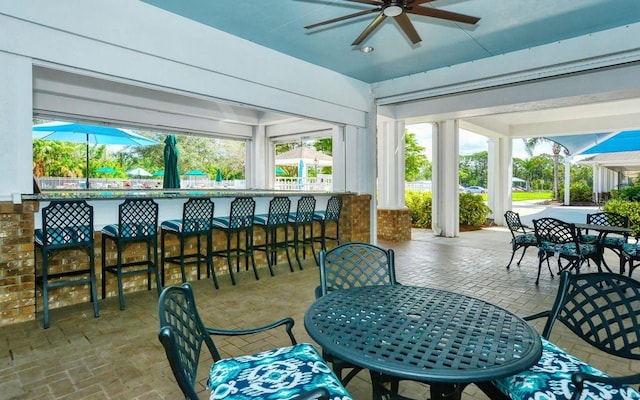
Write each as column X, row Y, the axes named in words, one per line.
column 530, row 210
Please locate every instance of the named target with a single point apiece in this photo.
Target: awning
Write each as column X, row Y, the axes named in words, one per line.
column 596, row 143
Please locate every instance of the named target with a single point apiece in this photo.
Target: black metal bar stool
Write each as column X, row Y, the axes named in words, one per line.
column 197, row 220
column 302, row 222
column 65, row 225
column 330, row 215
column 240, row 221
column 277, row 219
column 137, row 222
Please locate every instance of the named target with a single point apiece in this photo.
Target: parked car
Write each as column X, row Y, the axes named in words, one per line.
column 462, row 189
column 476, row 189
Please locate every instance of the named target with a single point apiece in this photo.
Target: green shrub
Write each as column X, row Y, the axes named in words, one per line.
column 631, row 193
column 419, row 204
column 473, row 210
column 630, row 209
column 580, row 192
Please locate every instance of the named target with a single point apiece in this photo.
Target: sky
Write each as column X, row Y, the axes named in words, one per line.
column 471, row 143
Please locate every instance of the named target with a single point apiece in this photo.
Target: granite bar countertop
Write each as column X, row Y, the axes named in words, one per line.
column 168, row 193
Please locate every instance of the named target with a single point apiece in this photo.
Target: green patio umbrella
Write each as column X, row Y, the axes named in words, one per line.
column 105, row 170
column 171, row 172
column 218, row 176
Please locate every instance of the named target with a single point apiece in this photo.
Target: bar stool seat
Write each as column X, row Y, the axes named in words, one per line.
column 197, row 220
column 326, row 217
column 277, row 219
column 302, row 222
column 66, row 225
column 240, row 221
column 137, row 222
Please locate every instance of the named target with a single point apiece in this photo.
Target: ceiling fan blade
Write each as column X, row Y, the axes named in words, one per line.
column 442, row 14
column 330, row 21
column 372, row 2
column 407, row 27
column 367, row 31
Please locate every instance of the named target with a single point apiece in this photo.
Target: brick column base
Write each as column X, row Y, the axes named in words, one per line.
column 394, row 225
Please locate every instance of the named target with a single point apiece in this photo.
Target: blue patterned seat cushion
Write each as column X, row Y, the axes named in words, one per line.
column 550, row 379
column 631, row 249
column 569, row 249
column 281, row 373
column 610, row 241
column 276, row 219
column 526, row 238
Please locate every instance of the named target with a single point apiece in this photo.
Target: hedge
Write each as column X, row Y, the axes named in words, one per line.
column 473, row 211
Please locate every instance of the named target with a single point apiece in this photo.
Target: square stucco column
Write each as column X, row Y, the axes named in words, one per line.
column 500, row 177
column 445, row 180
column 394, row 218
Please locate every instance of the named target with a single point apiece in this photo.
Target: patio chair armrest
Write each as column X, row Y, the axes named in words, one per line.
column 579, row 379
column 320, row 393
column 288, row 322
column 542, row 314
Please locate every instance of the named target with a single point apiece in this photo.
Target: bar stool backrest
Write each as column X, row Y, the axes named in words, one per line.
column 305, row 210
column 241, row 214
column 67, row 223
column 279, row 208
column 334, row 205
column 138, row 218
column 197, row 215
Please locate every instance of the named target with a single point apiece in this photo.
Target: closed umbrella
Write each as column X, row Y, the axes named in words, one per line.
column 171, row 171
column 89, row 134
column 218, row 176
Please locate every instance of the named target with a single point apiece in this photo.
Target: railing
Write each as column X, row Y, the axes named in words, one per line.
column 56, row 183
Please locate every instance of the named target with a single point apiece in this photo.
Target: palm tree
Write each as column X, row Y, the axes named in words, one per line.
column 531, row 143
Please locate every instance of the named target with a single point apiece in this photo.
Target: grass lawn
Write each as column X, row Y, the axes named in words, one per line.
column 523, row 196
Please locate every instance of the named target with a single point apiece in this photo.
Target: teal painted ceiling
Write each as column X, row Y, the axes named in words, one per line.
column 504, row 26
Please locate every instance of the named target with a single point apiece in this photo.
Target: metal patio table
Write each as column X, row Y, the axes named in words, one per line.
column 603, row 231
column 429, row 335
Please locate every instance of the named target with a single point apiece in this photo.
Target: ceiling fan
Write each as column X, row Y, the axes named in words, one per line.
column 398, row 9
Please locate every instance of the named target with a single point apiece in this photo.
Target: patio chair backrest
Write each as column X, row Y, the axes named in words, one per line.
column 554, row 231
column 513, row 222
column 182, row 334
column 608, row 219
column 355, row 264
column 600, row 308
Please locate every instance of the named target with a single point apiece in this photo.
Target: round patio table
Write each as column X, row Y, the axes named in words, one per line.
column 429, row 335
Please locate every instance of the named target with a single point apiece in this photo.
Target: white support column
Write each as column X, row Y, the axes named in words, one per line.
column 594, row 185
column 16, row 118
column 446, row 203
column 567, row 180
column 338, row 170
column 500, row 180
column 391, row 164
column 258, row 176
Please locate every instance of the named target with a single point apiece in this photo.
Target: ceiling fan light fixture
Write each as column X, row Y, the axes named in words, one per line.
column 393, row 9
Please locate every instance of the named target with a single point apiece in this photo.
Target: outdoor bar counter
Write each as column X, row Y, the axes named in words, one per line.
column 18, row 220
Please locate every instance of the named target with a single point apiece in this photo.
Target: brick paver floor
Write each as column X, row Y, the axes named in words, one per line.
column 118, row 355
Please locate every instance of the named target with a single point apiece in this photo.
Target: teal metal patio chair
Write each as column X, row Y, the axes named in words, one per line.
column 293, row 372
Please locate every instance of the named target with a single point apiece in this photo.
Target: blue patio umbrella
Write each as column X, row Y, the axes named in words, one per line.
column 89, row 134
column 171, row 171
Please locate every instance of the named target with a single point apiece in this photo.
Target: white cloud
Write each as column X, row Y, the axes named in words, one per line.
column 471, row 143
